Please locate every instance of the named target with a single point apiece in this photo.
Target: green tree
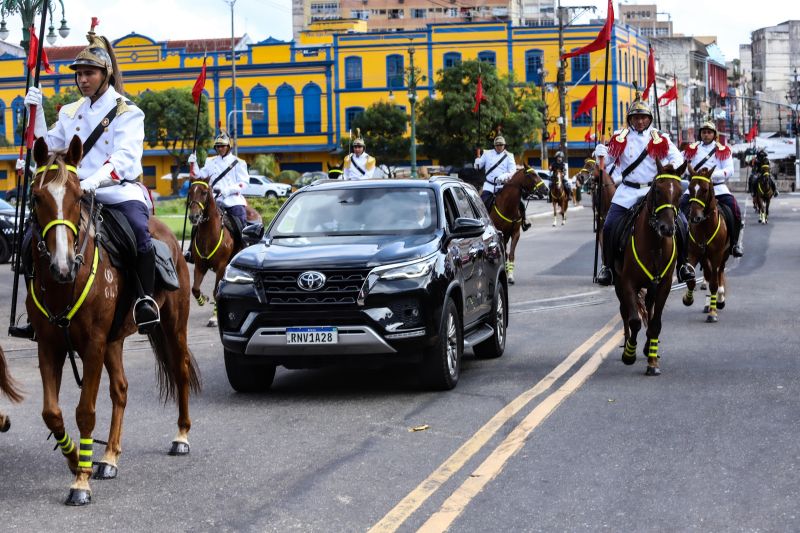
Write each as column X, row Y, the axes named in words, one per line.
column 266, row 165
column 52, row 104
column 448, row 128
column 383, row 127
column 169, row 123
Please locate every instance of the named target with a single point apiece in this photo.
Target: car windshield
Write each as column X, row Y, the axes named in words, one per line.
column 358, row 211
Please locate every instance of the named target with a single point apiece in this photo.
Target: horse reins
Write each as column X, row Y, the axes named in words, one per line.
column 655, row 280
column 706, row 212
column 527, row 199
column 205, row 218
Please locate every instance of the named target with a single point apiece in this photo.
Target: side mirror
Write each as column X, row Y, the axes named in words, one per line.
column 253, row 233
column 467, row 227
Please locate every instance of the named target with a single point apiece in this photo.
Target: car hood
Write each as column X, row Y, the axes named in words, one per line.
column 337, row 252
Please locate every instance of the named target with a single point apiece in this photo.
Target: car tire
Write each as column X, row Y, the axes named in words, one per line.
column 441, row 365
column 271, row 195
column 494, row 346
column 5, row 250
column 248, row 376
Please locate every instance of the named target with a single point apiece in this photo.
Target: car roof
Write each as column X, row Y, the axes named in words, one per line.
column 435, row 182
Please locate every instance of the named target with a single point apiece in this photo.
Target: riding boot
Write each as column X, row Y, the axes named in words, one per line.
column 145, row 309
column 736, row 249
column 525, row 224
column 188, row 253
column 685, row 270
column 26, row 265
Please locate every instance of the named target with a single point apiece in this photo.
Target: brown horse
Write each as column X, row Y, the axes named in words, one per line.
column 762, row 195
column 8, row 387
column 335, row 172
column 644, row 273
column 603, row 189
column 72, row 302
column 212, row 246
column 558, row 196
column 708, row 240
column 505, row 213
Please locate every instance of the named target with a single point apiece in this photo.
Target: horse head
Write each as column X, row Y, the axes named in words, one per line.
column 200, row 201
column 532, row 183
column 334, row 172
column 701, row 194
column 56, row 209
column 664, row 197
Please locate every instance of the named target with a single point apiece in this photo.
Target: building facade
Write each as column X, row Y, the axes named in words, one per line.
column 775, row 62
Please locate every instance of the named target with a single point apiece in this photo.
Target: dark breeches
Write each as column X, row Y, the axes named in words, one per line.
column 138, row 215
column 237, row 211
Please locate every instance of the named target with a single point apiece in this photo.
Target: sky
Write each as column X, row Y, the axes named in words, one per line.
column 730, row 20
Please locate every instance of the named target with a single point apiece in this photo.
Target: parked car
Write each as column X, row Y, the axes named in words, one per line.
column 8, row 214
column 308, row 178
column 264, row 187
column 366, row 272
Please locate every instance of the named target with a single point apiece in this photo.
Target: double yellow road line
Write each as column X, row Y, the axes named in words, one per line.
column 499, row 457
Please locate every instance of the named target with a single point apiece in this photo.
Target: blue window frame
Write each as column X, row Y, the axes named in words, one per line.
column 239, row 107
column 349, row 115
column 352, row 73
column 487, row 56
column 452, row 59
column 285, row 96
column 17, row 108
column 394, row 71
column 580, row 66
column 260, row 95
column 2, row 119
column 583, row 120
column 533, row 66
column 312, row 108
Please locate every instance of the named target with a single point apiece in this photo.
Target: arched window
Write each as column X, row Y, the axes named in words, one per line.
column 239, row 107
column 349, row 115
column 583, row 120
column 394, row 71
column 17, row 108
column 352, row 72
column 533, row 66
column 2, row 119
column 580, row 66
column 487, row 56
column 260, row 95
column 312, row 109
column 285, row 95
column 452, row 59
column 625, row 68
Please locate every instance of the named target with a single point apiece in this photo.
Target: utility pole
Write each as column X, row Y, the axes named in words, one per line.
column 545, row 124
column 412, row 99
column 233, row 84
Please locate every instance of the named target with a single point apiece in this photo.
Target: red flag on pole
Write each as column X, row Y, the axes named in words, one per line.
column 669, row 96
column 651, row 73
column 589, row 135
column 553, row 135
column 199, row 84
column 602, row 38
column 33, row 52
column 752, row 134
column 479, row 96
column 588, row 103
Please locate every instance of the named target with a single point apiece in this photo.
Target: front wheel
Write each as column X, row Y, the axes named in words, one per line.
column 271, row 195
column 495, row 345
column 5, row 250
column 441, row 365
column 246, row 375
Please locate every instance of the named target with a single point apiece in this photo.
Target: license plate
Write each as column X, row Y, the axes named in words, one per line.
column 320, row 335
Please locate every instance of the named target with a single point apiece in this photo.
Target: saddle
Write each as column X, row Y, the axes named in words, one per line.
column 727, row 214
column 622, row 230
column 234, row 226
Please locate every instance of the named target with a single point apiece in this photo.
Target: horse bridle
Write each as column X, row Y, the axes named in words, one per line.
column 692, row 198
column 203, row 207
column 533, row 176
column 651, row 202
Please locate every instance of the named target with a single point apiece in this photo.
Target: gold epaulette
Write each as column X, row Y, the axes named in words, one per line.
column 346, row 163
column 122, row 107
column 370, row 163
column 70, row 110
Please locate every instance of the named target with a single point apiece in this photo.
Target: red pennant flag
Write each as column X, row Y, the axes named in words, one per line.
column 753, row 133
column 588, row 103
column 479, row 96
column 651, row 73
column 669, row 96
column 589, row 135
column 553, row 135
column 34, row 51
column 199, row 84
column 602, row 39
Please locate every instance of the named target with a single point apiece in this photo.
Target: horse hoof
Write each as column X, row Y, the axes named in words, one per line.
column 687, row 301
column 6, row 425
column 721, row 304
column 712, row 319
column 79, row 497
column 105, row 471
column 652, row 371
column 212, row 322
column 706, row 309
column 629, row 360
column 703, row 286
column 179, row 448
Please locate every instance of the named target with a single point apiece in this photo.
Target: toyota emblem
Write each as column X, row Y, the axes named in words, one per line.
column 311, row 280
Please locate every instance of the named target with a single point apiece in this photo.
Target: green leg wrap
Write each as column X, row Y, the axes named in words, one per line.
column 652, row 350
column 630, row 349
column 713, row 303
column 66, row 444
column 85, row 453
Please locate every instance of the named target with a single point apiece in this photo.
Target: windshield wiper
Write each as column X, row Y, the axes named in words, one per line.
column 284, row 236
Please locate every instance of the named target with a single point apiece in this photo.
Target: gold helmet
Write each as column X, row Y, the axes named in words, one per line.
column 359, row 141
column 99, row 54
column 223, row 139
column 709, row 125
column 499, row 140
column 638, row 108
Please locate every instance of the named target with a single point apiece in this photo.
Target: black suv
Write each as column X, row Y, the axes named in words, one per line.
column 365, row 271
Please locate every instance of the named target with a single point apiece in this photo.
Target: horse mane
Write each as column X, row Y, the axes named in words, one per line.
column 62, row 176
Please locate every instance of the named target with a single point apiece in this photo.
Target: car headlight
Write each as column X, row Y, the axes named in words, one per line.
column 237, row 275
column 416, row 269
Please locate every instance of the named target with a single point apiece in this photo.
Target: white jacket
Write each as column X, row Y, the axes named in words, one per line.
column 724, row 167
column 501, row 173
column 232, row 185
column 365, row 161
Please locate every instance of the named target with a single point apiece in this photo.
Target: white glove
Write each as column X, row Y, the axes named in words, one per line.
column 34, row 97
column 502, row 180
column 192, row 159
column 101, row 177
column 20, row 164
column 233, row 190
column 600, row 151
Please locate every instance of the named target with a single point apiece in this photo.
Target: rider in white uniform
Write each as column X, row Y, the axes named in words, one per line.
column 359, row 165
column 499, row 166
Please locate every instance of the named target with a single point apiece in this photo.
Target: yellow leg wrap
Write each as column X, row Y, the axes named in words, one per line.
column 66, row 444
column 713, row 303
column 85, row 453
column 652, row 349
column 630, row 349
column 202, row 299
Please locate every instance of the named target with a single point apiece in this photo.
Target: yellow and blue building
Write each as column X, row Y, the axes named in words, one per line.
column 312, row 88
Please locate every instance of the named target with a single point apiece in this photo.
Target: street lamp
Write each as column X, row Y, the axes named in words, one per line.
column 28, row 9
column 233, row 82
column 412, row 78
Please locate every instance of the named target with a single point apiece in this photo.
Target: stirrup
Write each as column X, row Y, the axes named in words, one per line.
column 685, row 273
column 737, row 251
column 605, row 277
column 22, row 332
column 148, row 307
column 526, row 225
column 187, row 255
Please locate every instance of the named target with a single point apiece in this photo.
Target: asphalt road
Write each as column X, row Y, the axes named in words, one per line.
column 557, row 435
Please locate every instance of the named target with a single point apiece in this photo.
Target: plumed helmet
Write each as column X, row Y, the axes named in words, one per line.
column 223, row 139
column 99, row 54
column 559, row 154
column 359, row 140
column 638, row 108
column 708, row 125
column 589, row 161
column 499, row 140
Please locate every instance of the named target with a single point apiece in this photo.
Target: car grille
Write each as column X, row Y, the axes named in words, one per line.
column 341, row 287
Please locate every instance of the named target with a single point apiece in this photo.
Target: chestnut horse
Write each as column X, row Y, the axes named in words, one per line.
column 708, row 240
column 558, row 196
column 603, row 188
column 72, row 301
column 762, row 195
column 8, row 387
column 505, row 213
column 212, row 246
column 643, row 275
column 334, row 172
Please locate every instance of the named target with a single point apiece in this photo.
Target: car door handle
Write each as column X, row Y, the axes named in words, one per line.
column 475, row 251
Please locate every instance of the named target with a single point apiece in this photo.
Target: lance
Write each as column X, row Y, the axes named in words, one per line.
column 22, row 195
column 601, row 161
column 194, row 149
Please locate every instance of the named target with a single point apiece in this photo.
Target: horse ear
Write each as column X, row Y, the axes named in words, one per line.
column 659, row 166
column 40, row 152
column 681, row 169
column 689, row 168
column 74, row 152
column 710, row 172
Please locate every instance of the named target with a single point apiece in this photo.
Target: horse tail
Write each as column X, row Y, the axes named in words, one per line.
column 169, row 365
column 641, row 306
column 7, row 384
